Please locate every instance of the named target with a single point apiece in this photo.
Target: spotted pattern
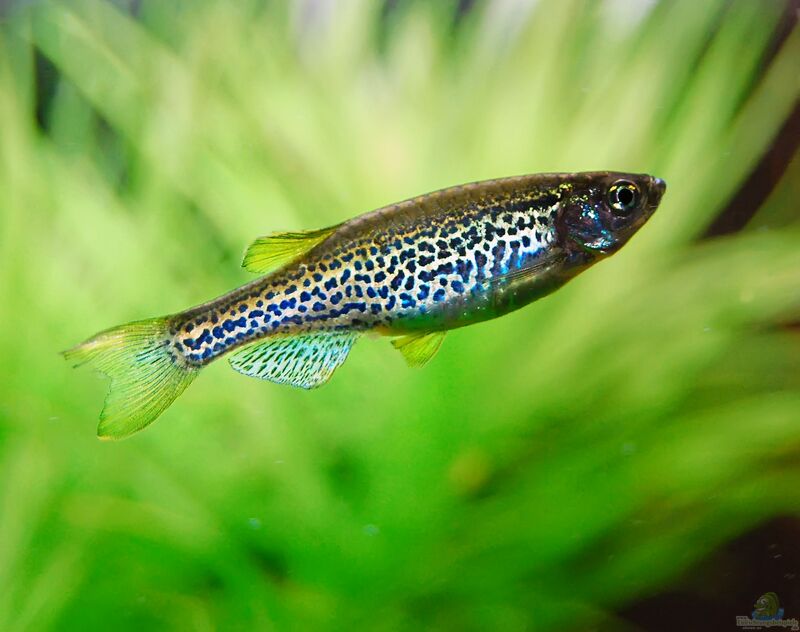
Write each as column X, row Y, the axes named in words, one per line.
column 305, row 361
column 388, row 270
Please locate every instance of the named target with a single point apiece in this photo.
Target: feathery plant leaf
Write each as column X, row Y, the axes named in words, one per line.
column 547, row 470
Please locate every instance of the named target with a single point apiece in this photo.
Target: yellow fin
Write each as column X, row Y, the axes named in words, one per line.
column 418, row 349
column 145, row 376
column 271, row 252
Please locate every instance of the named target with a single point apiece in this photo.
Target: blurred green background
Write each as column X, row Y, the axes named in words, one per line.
column 565, row 467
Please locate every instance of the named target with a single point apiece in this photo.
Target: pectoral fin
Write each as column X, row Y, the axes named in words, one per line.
column 418, row 349
column 270, row 252
column 525, row 274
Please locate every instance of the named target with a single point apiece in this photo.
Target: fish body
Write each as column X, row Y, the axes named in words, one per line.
column 411, row 271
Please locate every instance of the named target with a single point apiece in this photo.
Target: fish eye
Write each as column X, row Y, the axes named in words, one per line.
column 623, row 197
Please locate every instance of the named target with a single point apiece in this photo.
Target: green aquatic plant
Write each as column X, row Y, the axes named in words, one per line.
column 545, row 470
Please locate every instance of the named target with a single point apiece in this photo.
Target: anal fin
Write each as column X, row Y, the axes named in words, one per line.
column 270, row 252
column 418, row 349
column 306, row 360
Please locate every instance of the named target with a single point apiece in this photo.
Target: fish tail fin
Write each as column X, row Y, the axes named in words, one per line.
column 146, row 376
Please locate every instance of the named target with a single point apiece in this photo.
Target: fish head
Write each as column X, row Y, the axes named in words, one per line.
column 603, row 210
column 767, row 605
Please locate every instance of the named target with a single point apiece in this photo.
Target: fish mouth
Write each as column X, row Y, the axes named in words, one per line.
column 657, row 189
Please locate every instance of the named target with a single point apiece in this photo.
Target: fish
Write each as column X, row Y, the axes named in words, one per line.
column 409, row 271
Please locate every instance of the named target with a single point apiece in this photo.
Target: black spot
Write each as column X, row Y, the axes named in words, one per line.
column 397, row 280
column 463, row 268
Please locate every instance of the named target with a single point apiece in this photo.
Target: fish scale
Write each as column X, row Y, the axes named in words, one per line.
column 402, row 278
column 412, row 271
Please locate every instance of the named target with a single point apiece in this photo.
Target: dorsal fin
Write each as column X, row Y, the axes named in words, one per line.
column 306, row 360
column 270, row 252
column 418, row 349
